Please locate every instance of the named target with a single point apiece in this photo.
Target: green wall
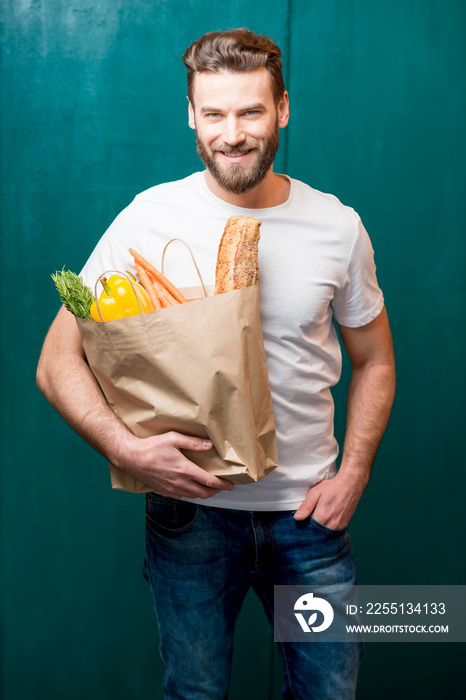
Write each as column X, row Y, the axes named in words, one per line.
column 93, row 110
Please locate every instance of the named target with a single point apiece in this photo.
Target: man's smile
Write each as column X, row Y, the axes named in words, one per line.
column 235, row 157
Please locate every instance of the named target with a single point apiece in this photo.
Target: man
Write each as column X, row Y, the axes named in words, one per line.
column 208, row 543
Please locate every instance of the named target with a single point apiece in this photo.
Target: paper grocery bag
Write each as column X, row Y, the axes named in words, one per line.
column 198, row 368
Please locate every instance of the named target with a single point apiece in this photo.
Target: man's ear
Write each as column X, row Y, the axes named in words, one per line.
column 283, row 110
column 191, row 119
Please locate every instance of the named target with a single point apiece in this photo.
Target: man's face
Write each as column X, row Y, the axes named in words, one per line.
column 237, row 123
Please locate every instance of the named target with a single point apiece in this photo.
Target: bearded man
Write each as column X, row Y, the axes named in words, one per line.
column 207, row 542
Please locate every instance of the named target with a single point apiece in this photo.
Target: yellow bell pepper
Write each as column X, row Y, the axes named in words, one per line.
column 118, row 299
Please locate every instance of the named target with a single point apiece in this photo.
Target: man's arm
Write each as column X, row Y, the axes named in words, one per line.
column 64, row 378
column 332, row 502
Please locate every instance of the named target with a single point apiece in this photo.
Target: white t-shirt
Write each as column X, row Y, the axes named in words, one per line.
column 316, row 263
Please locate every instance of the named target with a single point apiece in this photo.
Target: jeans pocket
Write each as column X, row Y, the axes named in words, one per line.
column 169, row 515
column 324, row 528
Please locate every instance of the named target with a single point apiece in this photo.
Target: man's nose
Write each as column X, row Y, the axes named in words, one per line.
column 233, row 132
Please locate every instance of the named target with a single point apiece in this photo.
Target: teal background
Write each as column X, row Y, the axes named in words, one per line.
column 93, row 110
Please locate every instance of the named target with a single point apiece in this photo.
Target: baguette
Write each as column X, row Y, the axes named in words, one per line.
column 237, row 260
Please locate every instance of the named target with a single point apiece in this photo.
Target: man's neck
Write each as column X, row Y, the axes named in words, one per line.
column 272, row 191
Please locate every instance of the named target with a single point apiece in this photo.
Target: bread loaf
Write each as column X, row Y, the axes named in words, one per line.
column 237, row 263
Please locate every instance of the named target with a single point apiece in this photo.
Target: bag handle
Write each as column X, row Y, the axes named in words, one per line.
column 193, row 259
column 123, row 274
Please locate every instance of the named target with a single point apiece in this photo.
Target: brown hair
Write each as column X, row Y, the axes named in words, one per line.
column 235, row 50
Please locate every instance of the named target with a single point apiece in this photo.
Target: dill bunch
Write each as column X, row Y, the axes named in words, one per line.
column 75, row 295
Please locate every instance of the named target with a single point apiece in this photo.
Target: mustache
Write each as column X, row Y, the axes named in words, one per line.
column 232, row 150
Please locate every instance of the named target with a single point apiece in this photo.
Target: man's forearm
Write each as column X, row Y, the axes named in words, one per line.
column 370, row 399
column 66, row 381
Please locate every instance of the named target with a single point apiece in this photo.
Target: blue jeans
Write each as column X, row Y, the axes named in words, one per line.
column 200, row 563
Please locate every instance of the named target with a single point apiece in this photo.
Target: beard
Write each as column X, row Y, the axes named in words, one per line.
column 238, row 178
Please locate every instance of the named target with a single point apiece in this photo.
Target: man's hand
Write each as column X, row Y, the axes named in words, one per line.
column 331, row 502
column 159, row 463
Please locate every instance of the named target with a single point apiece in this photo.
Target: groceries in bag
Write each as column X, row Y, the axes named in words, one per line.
column 237, row 268
column 198, row 368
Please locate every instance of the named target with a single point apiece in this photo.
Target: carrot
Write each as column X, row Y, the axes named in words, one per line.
column 166, row 299
column 148, row 286
column 158, row 275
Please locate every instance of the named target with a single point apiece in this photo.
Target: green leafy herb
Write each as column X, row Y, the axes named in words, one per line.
column 75, row 295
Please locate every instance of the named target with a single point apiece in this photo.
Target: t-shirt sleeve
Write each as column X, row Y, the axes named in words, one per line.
column 359, row 299
column 112, row 250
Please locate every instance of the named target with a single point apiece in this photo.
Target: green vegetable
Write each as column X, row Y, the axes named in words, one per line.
column 75, row 295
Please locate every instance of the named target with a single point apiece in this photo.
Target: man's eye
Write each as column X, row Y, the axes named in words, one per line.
column 252, row 112
column 212, row 115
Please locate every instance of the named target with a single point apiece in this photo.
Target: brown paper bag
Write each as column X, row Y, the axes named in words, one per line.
column 198, row 368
